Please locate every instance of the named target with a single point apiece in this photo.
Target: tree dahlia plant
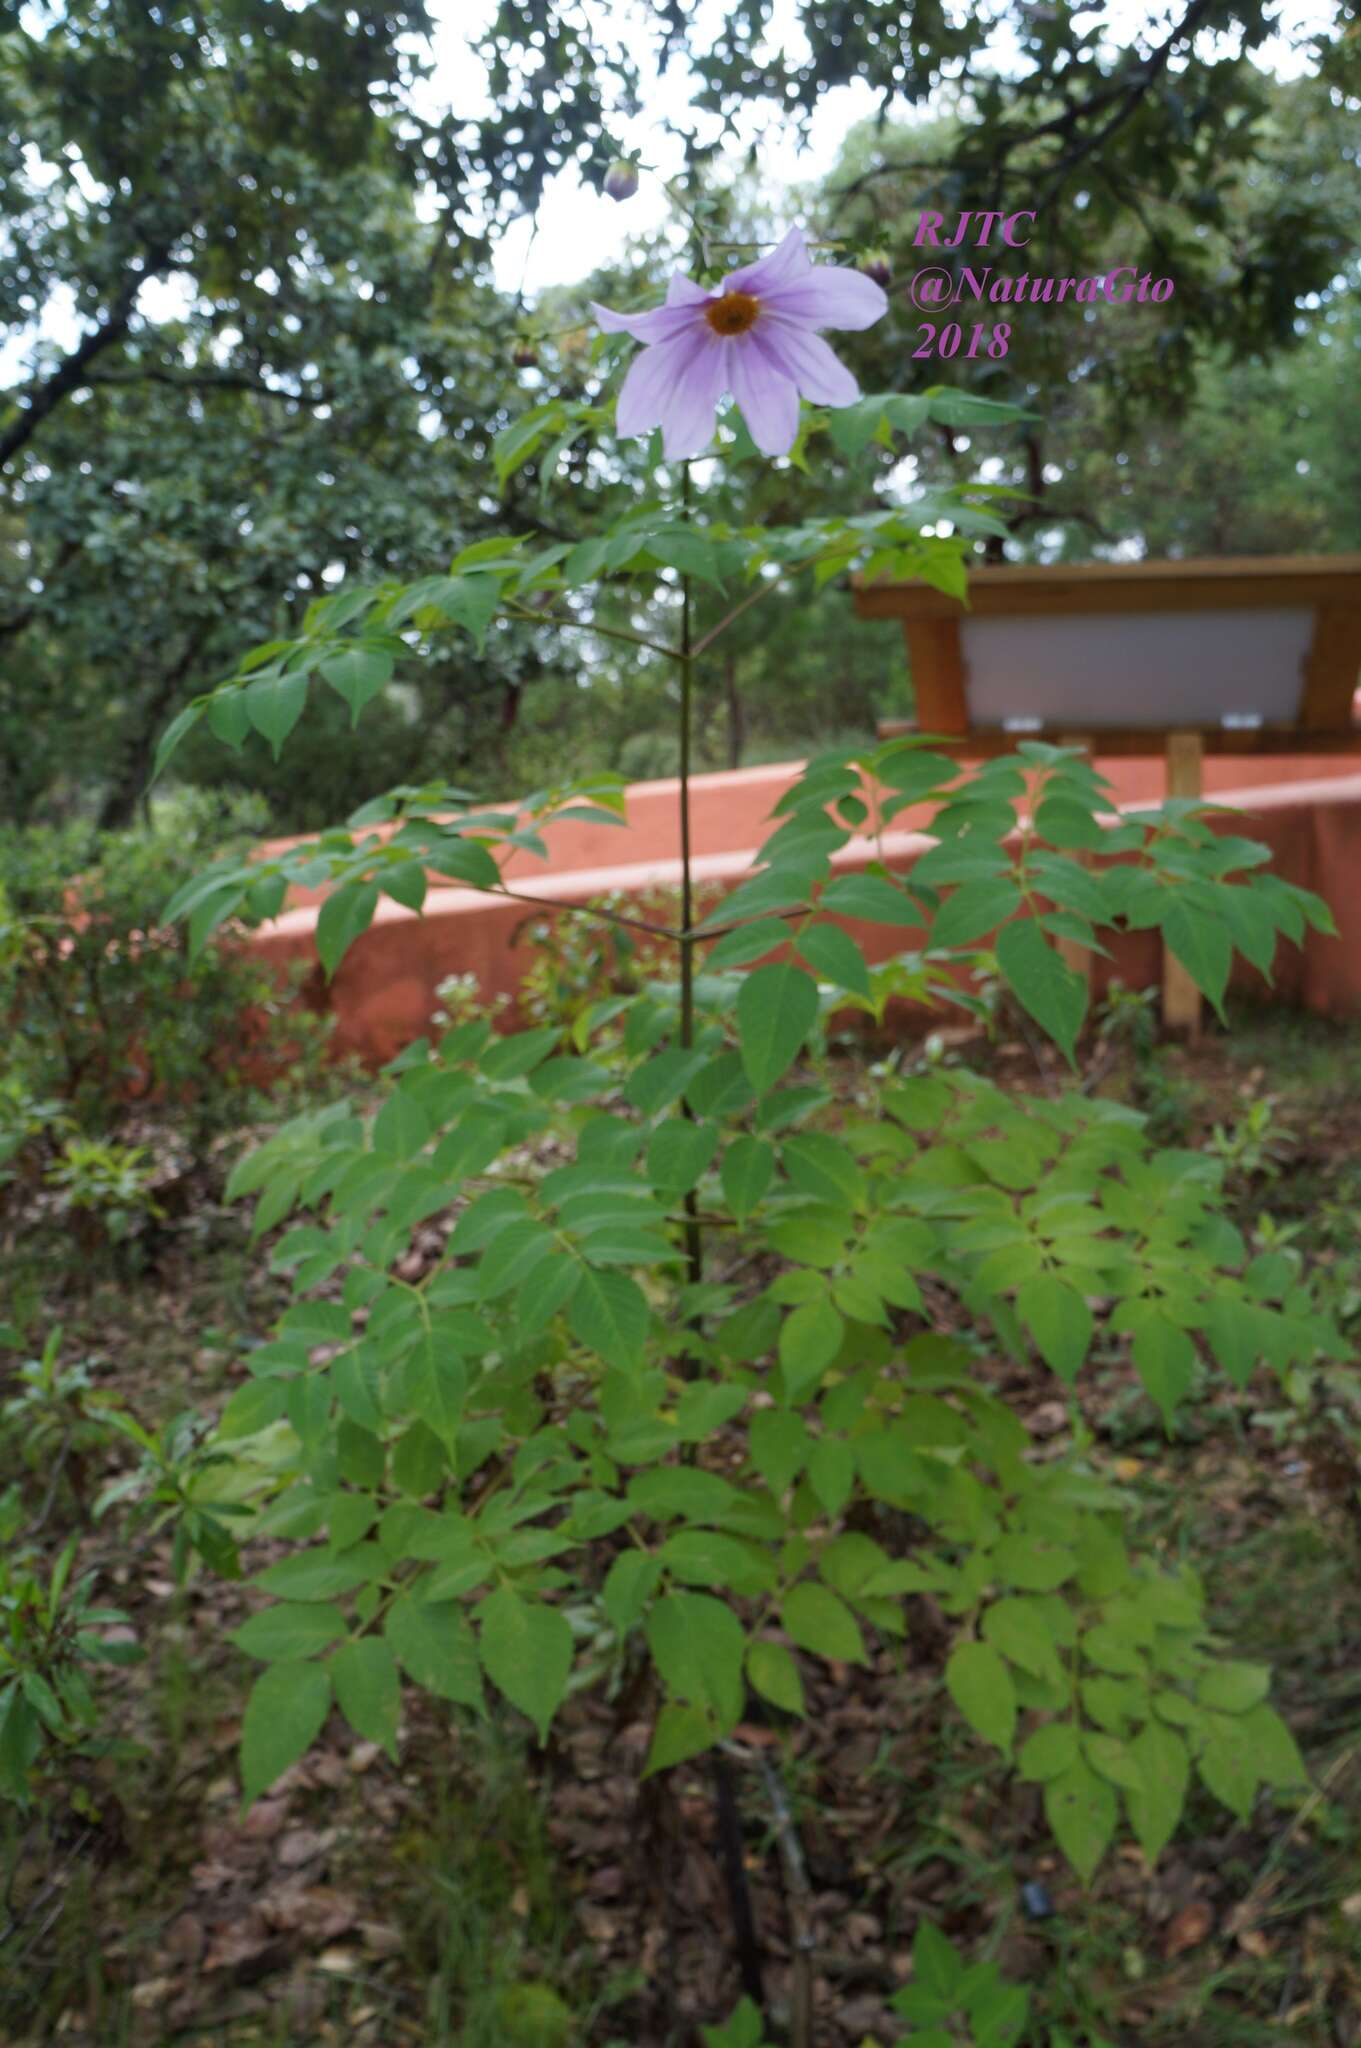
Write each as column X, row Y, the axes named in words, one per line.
column 692, row 1393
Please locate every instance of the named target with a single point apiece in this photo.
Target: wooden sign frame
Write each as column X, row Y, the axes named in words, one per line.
column 1329, row 585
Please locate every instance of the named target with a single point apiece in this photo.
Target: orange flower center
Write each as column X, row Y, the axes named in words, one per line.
column 734, row 313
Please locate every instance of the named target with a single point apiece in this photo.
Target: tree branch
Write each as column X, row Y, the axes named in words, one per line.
column 17, row 621
column 70, row 374
column 207, row 380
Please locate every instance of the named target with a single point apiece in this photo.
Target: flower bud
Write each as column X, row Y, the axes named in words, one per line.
column 621, row 179
column 524, row 355
column 877, row 267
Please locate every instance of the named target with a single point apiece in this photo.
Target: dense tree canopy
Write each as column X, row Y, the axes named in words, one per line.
column 253, row 344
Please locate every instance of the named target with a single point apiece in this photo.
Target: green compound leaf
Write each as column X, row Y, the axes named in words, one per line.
column 774, row 1673
column 434, row 1646
column 283, row 1718
column 609, row 1315
column 1165, row 1358
column 1049, row 1752
column 1274, row 1748
column 809, row 1340
column 526, row 1650
column 288, row 1632
column 1233, row 1688
column 974, row 909
column 1042, row 983
column 183, row 722
column 346, row 913
column 816, row 1620
column 698, row 1647
column 678, row 1153
column 358, row 674
column 747, row 1170
column 1081, row 1808
column 1202, row 941
column 681, row 1732
column 274, row 705
column 834, row 956
column 1165, row 1769
column 981, row 1687
column 777, row 1007
column 1059, row 1320
column 368, row 1690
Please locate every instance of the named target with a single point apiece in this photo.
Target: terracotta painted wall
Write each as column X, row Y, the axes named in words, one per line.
column 1307, row 810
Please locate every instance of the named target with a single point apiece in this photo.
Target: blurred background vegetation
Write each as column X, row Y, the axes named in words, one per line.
column 255, row 345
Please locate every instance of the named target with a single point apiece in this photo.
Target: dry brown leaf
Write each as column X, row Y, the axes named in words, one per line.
column 1188, row 1928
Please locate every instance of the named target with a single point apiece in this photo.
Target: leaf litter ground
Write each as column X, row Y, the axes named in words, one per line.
column 481, row 1891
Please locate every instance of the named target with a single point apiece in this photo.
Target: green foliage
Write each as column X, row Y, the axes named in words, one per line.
column 52, row 1632
column 1028, row 1211
column 946, row 1993
column 54, row 1420
column 565, row 1450
column 107, row 1016
column 948, row 2004
column 111, row 1184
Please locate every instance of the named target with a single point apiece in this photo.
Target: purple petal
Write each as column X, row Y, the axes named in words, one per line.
column 828, row 296
column 769, row 400
column 658, row 325
column 688, row 416
column 783, row 267
column 676, row 386
column 643, row 393
column 794, row 351
column 683, row 291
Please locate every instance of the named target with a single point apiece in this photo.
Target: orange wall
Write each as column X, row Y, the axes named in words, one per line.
column 1307, row 810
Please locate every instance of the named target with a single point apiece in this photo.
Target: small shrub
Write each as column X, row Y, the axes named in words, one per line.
column 104, row 1014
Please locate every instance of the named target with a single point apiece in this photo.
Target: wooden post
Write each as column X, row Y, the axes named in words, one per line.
column 1072, row 953
column 1181, row 997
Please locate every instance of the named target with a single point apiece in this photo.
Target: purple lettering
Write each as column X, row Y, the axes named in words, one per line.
column 1009, row 223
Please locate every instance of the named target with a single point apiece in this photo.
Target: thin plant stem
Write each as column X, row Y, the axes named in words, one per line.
column 694, row 1248
column 637, row 924
column 532, row 617
column 727, row 1811
column 702, row 646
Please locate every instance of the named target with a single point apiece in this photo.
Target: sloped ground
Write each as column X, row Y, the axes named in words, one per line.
column 480, row 1892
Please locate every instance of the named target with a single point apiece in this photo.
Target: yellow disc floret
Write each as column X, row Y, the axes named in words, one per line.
column 734, row 313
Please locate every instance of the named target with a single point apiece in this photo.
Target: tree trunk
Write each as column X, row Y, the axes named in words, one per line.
column 133, row 769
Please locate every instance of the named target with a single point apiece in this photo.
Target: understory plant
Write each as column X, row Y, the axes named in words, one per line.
column 104, row 1017
column 694, row 1394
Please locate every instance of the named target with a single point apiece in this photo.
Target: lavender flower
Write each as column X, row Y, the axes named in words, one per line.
column 756, row 338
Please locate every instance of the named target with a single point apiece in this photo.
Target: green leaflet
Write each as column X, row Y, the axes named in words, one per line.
column 981, row 1687
column 817, row 1620
column 1043, row 984
column 346, row 913
column 1081, row 1809
column 526, row 1650
column 283, row 1717
column 434, row 1647
column 1058, row 1319
column 775, row 1675
column 1164, row 1768
column 609, row 1314
column 368, row 1690
column 777, row 1007
column 698, row 1648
